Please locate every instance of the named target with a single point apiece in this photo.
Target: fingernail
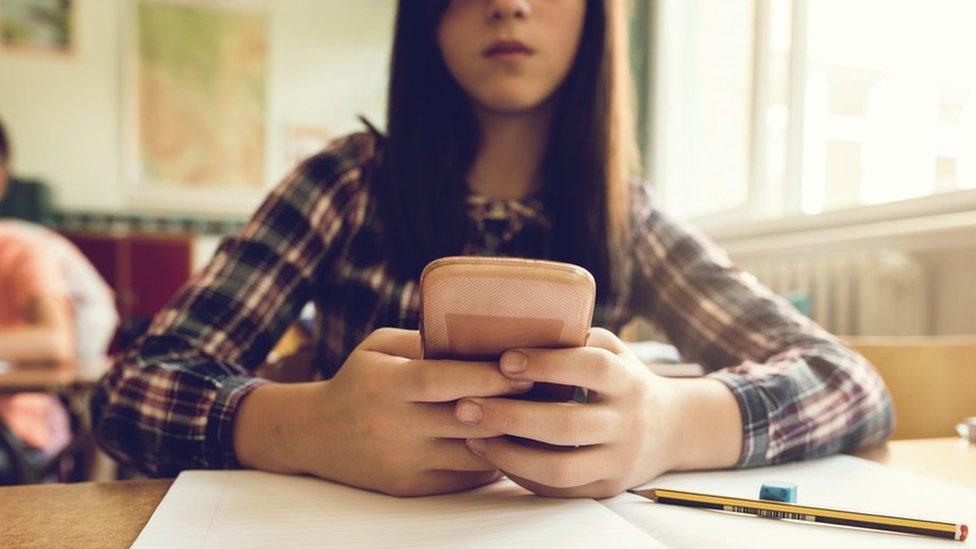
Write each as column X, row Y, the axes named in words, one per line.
column 477, row 445
column 513, row 362
column 469, row 412
column 521, row 384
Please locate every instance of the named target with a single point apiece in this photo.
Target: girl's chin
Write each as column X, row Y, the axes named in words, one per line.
column 511, row 103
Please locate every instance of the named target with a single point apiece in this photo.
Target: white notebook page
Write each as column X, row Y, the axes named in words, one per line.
column 839, row 482
column 254, row 509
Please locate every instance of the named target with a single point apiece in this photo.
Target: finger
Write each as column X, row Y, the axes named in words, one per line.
column 589, row 367
column 605, row 339
column 393, row 341
column 456, row 481
column 553, row 466
column 444, row 380
column 595, row 490
column 441, row 482
column 454, row 455
column 441, row 422
column 562, row 423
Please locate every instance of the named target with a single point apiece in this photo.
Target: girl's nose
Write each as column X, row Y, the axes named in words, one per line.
column 501, row 10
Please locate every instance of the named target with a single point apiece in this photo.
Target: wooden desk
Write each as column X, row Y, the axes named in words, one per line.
column 72, row 380
column 949, row 459
column 52, row 377
column 90, row 514
column 112, row 514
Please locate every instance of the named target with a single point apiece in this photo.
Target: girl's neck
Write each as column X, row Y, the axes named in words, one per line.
column 510, row 152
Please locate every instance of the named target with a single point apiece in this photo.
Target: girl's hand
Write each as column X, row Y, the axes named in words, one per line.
column 385, row 422
column 628, row 433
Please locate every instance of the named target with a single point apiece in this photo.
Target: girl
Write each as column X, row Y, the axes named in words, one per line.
column 508, row 133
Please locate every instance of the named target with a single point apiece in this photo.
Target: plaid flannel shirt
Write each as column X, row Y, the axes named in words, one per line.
column 168, row 403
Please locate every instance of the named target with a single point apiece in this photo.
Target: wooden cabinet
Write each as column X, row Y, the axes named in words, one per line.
column 144, row 270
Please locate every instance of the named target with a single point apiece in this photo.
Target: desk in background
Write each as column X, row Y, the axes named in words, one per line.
column 60, row 377
column 950, row 459
column 70, row 380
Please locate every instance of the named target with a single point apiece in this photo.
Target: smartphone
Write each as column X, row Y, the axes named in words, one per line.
column 476, row 308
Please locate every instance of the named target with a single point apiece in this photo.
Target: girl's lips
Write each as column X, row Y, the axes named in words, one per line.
column 507, row 48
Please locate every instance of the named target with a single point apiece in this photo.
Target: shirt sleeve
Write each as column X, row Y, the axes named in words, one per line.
column 36, row 275
column 168, row 404
column 93, row 301
column 801, row 392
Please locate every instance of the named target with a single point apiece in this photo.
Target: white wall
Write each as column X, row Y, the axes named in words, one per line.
column 62, row 114
column 328, row 62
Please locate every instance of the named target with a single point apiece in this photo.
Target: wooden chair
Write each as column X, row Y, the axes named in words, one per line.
column 291, row 359
column 932, row 380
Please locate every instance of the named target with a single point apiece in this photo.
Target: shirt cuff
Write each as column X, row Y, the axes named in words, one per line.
column 755, row 417
column 219, row 450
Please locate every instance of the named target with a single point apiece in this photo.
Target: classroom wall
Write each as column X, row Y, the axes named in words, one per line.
column 62, row 113
column 328, row 62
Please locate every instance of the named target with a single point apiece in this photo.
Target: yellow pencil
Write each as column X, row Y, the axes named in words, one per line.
column 772, row 509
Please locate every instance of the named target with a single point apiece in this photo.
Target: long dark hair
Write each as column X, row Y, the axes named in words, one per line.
column 4, row 146
column 432, row 139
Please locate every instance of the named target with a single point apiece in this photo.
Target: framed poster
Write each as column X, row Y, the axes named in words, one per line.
column 42, row 26
column 195, row 86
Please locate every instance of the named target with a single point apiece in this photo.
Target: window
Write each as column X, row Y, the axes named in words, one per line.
column 772, row 108
column 702, row 109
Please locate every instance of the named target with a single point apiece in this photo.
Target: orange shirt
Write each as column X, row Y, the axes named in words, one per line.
column 28, row 270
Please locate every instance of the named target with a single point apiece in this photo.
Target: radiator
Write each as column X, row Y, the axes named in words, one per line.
column 864, row 293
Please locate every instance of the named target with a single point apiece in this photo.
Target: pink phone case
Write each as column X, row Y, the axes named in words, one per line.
column 477, row 307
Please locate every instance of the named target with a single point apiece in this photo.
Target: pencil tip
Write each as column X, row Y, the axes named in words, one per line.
column 650, row 493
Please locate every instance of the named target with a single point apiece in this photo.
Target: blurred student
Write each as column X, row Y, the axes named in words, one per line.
column 54, row 307
column 508, row 133
column 35, row 325
column 92, row 302
column 95, row 315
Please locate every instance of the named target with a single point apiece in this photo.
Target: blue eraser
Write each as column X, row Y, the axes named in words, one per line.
column 784, row 492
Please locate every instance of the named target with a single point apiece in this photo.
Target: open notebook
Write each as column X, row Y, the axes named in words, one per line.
column 252, row 509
